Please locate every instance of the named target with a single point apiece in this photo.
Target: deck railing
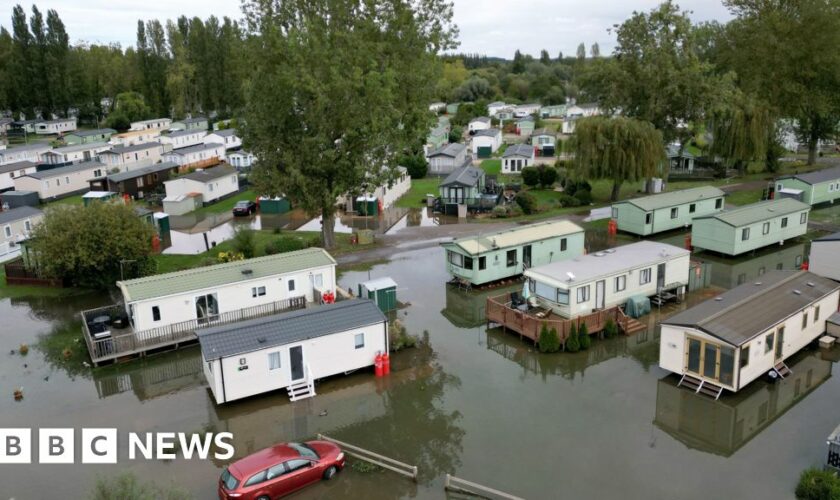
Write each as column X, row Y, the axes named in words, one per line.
column 134, row 342
column 500, row 310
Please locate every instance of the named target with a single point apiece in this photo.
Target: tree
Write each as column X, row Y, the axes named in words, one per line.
column 57, row 53
column 548, row 175
column 338, row 91
column 244, row 241
column 416, row 165
column 581, row 52
column 118, row 120
column 548, row 341
column 573, row 341
column 583, row 333
column 770, row 45
column 531, row 176
column 518, row 62
column 132, row 105
column 544, row 57
column 743, row 130
column 90, row 247
column 527, row 202
column 595, row 50
column 620, row 149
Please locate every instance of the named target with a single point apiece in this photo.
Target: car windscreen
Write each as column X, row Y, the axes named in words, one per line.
column 241, row 204
column 228, row 480
column 304, row 450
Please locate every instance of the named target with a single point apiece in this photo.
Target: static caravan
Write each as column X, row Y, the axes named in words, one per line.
column 212, row 183
column 666, row 211
column 491, row 257
column 9, row 171
column 239, row 159
column 480, row 123
column 525, row 126
column 523, row 110
column 202, row 155
column 544, row 141
column 15, row 226
column 813, row 188
column 448, row 158
column 747, row 228
column 197, row 123
column 135, row 137
column 137, row 182
column 579, row 286
column 437, row 107
column 59, row 126
column 78, row 153
column 153, row 124
column 183, row 138
column 89, row 136
column 727, row 272
column 292, row 350
column 747, row 332
column 517, row 157
column 464, row 186
column 825, row 257
column 486, row 142
column 126, row 158
column 62, row 181
column 26, row 152
column 494, row 107
column 225, row 136
column 205, row 293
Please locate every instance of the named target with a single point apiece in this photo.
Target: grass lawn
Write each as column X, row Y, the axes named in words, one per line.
column 227, row 204
column 416, row 196
column 16, row 291
column 492, row 167
column 745, row 197
column 70, row 200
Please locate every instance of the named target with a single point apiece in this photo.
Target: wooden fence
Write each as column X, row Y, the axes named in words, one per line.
column 18, row 274
column 468, row 487
column 131, row 342
column 499, row 310
column 404, row 469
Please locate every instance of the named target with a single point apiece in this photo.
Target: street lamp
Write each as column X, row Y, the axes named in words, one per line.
column 124, row 261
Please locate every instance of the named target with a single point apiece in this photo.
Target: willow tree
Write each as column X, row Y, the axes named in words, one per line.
column 743, row 130
column 339, row 90
column 617, row 148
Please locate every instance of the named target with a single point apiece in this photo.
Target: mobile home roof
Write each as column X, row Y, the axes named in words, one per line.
column 675, row 198
column 200, row 278
column 758, row 212
column 281, row 329
column 738, row 315
column 587, row 268
column 826, row 175
column 516, row 236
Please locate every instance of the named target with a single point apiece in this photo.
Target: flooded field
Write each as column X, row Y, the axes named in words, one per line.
column 477, row 403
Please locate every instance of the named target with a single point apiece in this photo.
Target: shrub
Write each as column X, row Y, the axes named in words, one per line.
column 548, row 175
column 416, row 165
column 117, row 120
column 126, row 486
column 230, row 256
column 584, row 197
column 817, row 484
column 566, row 200
column 570, row 187
column 244, row 241
column 610, row 329
column 531, row 176
column 500, row 211
column 573, row 342
column 585, row 341
column 584, row 185
column 549, row 341
column 284, row 244
column 527, row 202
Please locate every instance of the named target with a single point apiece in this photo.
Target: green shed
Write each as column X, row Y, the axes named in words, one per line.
column 92, row 196
column 276, row 205
column 485, row 151
column 822, row 186
column 367, row 205
column 383, row 291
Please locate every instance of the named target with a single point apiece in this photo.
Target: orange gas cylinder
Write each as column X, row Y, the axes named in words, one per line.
column 612, row 227
column 386, row 364
column 379, row 206
column 378, row 365
column 804, row 265
column 688, row 242
column 156, row 243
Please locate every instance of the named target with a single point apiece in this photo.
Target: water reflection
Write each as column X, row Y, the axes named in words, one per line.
column 729, row 272
column 465, row 309
column 423, row 217
column 722, row 427
column 152, row 377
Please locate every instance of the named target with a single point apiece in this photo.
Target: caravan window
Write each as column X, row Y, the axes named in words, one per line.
column 648, row 218
column 155, row 313
column 784, row 222
column 563, row 244
column 273, row 360
column 511, row 258
column 583, row 294
column 257, row 291
column 675, row 212
column 692, row 208
column 620, row 283
column 745, row 234
column 803, row 217
column 360, row 340
column 719, row 203
column 468, row 263
column 745, row 356
column 766, row 228
column 563, row 296
column 544, row 291
column 816, row 314
column 291, row 285
column 8, row 231
column 644, row 276
column 456, row 259
column 482, row 263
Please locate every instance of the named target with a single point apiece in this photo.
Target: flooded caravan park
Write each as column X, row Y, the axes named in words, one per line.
column 479, row 404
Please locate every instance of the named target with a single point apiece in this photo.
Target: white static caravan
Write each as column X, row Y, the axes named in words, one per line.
column 76, row 153
column 125, row 158
column 27, row 152
column 213, row 183
column 225, row 136
column 601, row 280
column 183, row 138
column 9, row 171
column 747, row 332
column 58, row 126
column 62, row 181
column 204, row 293
column 153, row 124
column 824, row 259
column 291, row 350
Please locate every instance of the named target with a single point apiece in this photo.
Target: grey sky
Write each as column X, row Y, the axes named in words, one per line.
column 491, row 27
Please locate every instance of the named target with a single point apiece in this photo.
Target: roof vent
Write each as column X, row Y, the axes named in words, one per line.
column 797, row 292
column 599, row 254
column 810, row 283
column 247, row 272
column 718, row 299
column 261, row 340
column 757, row 283
column 611, row 250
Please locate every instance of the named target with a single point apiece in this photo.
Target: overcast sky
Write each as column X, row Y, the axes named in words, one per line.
column 491, row 27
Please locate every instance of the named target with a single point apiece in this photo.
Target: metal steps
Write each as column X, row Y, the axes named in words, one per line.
column 303, row 389
column 782, row 369
column 700, row 386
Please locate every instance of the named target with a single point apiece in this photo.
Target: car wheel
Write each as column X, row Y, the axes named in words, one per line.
column 330, row 472
column 263, row 498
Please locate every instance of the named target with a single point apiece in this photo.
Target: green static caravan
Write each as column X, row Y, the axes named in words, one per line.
column 663, row 212
column 813, row 188
column 491, row 257
column 88, row 136
column 747, row 228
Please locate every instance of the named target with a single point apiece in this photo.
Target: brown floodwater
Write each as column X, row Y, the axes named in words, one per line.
column 476, row 403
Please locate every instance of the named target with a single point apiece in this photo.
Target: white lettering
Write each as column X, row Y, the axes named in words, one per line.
column 145, row 447
column 219, row 440
column 196, row 443
column 165, row 442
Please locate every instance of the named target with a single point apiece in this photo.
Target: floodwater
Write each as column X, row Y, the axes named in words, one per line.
column 479, row 404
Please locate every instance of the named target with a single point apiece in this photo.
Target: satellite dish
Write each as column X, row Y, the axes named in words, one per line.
column 571, row 276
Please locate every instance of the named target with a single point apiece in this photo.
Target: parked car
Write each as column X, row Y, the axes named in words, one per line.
column 280, row 470
column 244, row 207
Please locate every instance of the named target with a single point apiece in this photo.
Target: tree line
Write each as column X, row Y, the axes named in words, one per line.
column 177, row 67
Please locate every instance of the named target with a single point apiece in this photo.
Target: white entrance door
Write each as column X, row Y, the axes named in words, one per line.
column 599, row 294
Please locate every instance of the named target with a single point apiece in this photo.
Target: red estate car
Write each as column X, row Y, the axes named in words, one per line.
column 280, row 470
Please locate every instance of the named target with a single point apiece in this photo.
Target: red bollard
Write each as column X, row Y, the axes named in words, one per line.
column 378, row 365
column 386, row 364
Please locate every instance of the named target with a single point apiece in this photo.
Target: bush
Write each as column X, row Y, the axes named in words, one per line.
column 549, row 341
column 610, row 329
column 527, row 202
column 573, row 342
column 416, row 165
column 284, row 244
column 583, row 334
column 127, row 487
column 584, row 197
column 817, row 484
column 548, row 175
column 118, row 121
column 531, row 176
column 500, row 212
column 570, row 187
column 584, row 185
column 244, row 241
column 566, row 200
column 456, row 134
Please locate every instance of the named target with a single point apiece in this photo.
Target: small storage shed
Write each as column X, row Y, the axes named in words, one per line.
column 16, row 199
column 666, row 211
column 382, row 291
column 182, row 204
column 366, row 205
column 92, row 196
column 275, row 205
column 747, row 228
column 825, row 256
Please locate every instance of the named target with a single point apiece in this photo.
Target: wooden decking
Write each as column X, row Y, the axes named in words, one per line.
column 125, row 343
column 528, row 325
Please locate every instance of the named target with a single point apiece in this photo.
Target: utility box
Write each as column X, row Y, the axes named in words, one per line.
column 274, row 205
column 367, row 205
column 364, row 236
column 383, row 291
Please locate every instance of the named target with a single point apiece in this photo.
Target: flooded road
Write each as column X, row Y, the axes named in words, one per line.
column 479, row 404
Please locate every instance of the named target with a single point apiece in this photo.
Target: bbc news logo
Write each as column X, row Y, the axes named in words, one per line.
column 101, row 446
